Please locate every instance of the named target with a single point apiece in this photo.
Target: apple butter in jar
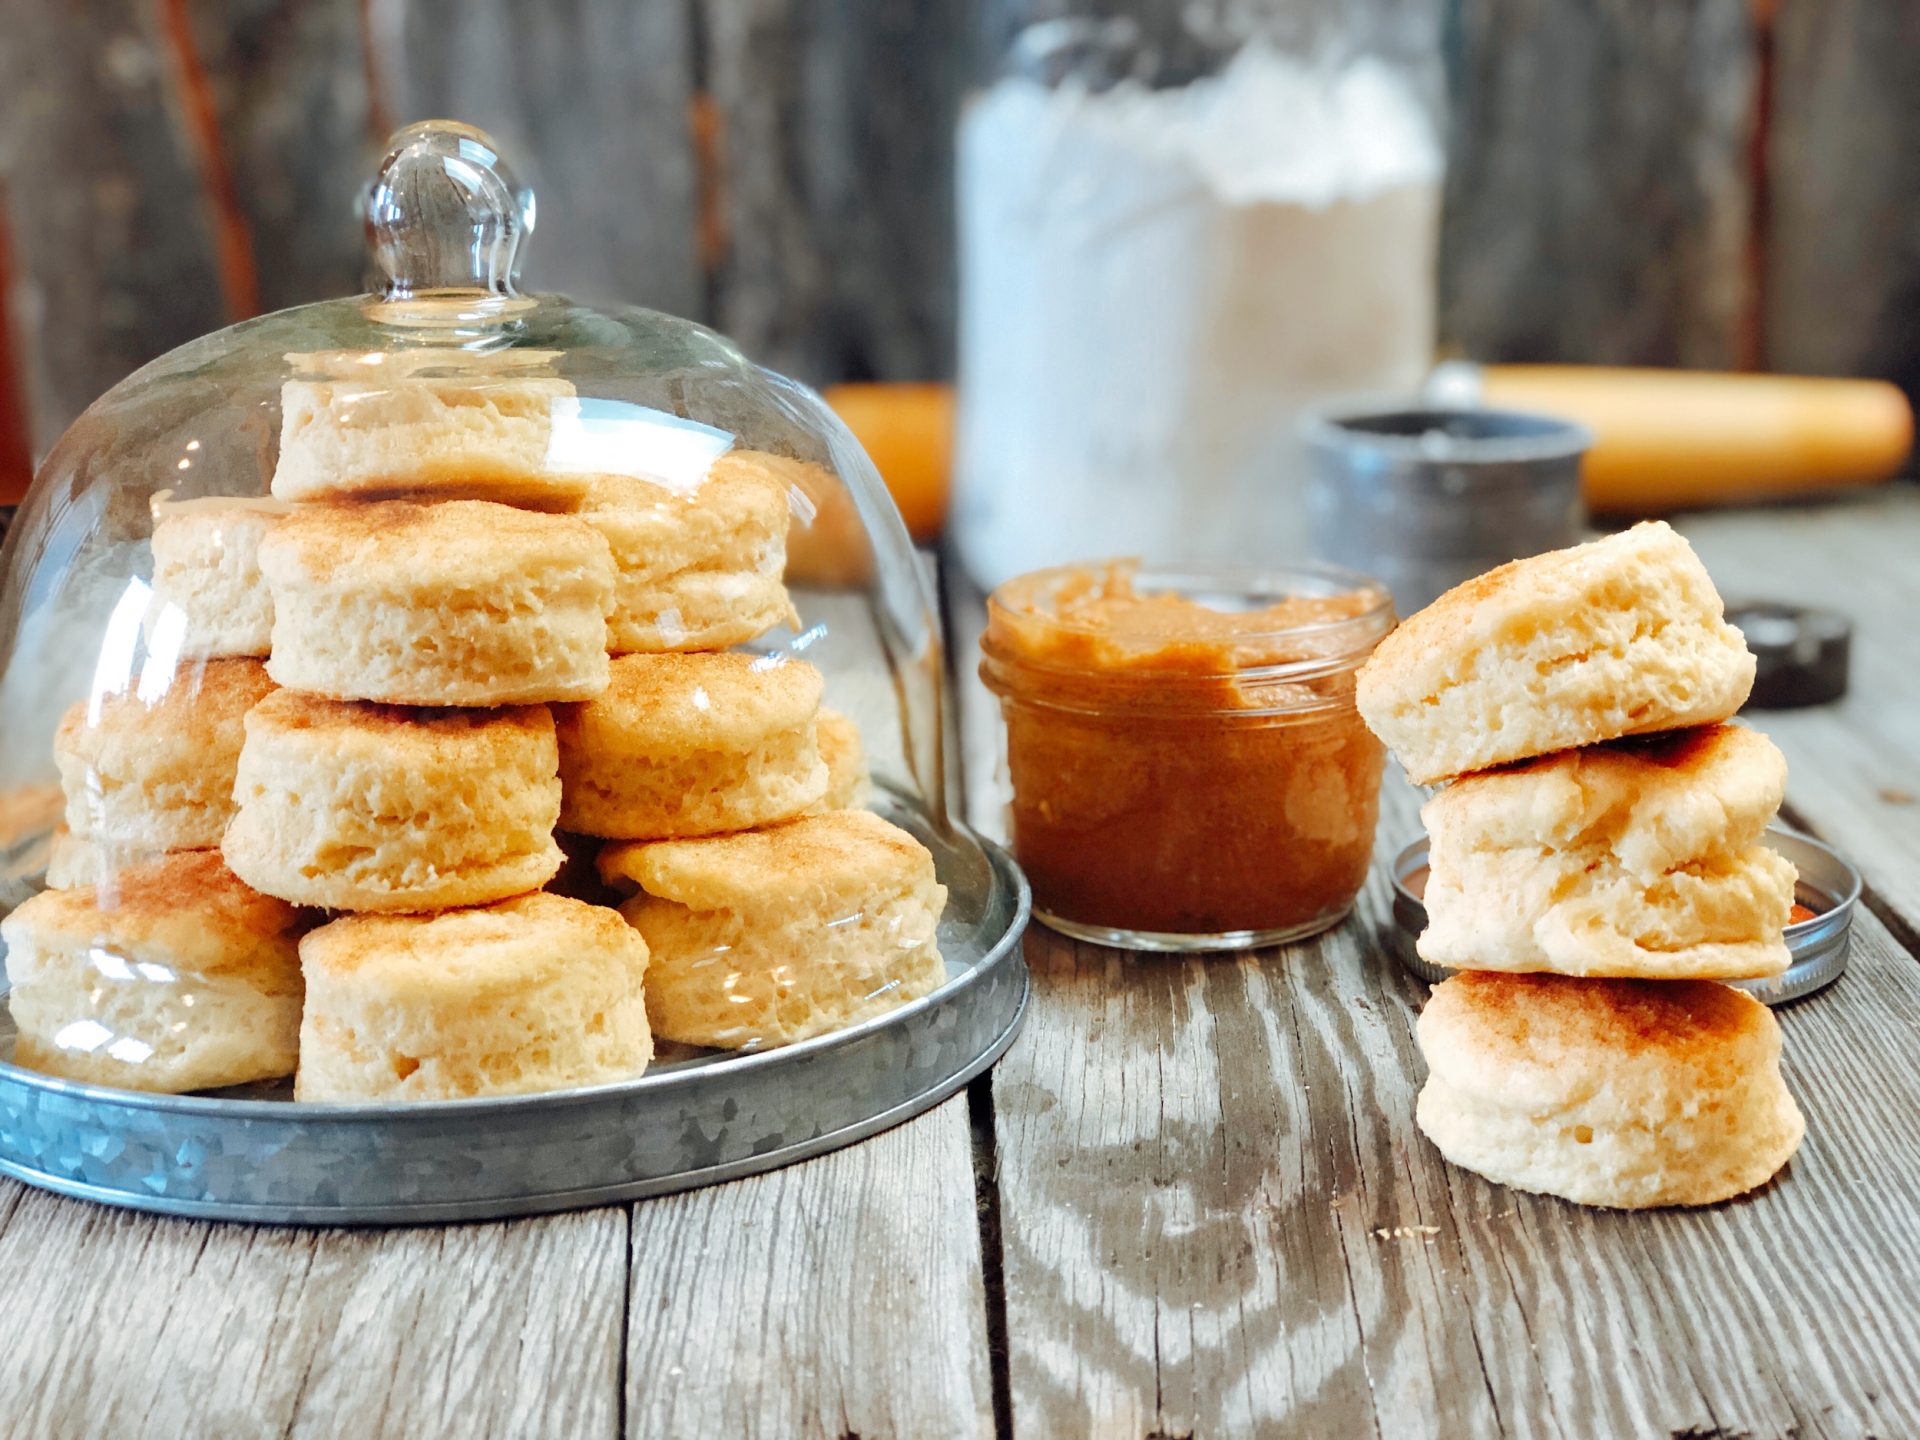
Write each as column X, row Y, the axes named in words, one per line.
column 1189, row 771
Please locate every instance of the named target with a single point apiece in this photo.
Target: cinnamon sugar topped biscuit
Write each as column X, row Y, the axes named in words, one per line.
column 354, row 806
column 206, row 564
column 1622, row 636
column 1635, row 858
column 153, row 769
column 775, row 935
column 692, row 745
column 438, row 424
column 459, row 603
column 534, row 993
column 1621, row 1093
column 170, row 975
column 699, row 569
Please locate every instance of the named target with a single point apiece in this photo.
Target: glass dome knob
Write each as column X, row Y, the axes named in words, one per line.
column 445, row 213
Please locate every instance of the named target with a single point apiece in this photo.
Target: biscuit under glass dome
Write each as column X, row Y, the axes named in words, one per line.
column 97, row 633
column 631, row 392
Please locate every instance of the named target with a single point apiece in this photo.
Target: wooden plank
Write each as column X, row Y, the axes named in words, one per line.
column 288, row 87
column 1598, row 203
column 837, row 178
column 838, row 1297
column 1843, row 253
column 590, row 100
column 1854, row 767
column 113, row 254
column 1218, row 1216
column 152, row 1327
column 844, row 1296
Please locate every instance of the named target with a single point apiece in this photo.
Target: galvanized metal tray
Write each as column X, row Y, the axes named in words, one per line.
column 253, row 1155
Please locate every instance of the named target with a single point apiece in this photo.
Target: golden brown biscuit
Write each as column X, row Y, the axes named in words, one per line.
column 354, row 806
column 1624, row 1093
column 772, row 936
column 172, row 976
column 827, row 544
column 845, row 756
column 700, row 570
column 535, row 993
column 1622, row 636
column 1635, row 858
column 206, row 566
column 459, row 603
column 154, row 771
column 691, row 745
column 431, row 424
column 72, row 862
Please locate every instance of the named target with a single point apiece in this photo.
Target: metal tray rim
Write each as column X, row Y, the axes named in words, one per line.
column 549, row 1202
column 270, row 1161
column 435, row 1110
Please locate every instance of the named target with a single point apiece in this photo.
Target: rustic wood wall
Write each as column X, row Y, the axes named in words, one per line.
column 1698, row 182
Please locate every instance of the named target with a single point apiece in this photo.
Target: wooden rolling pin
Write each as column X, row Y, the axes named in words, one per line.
column 1672, row 439
column 907, row 430
column 1663, row 439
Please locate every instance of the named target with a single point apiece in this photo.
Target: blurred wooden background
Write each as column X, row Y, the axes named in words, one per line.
column 1727, row 183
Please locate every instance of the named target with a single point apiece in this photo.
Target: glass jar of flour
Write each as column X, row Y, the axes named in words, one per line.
column 1181, row 226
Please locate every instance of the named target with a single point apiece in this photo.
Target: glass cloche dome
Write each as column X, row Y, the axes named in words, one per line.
column 449, row 498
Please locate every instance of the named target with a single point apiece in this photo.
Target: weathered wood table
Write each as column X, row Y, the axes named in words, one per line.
column 1190, row 1201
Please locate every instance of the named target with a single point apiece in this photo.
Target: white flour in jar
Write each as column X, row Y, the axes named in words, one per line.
column 1155, row 283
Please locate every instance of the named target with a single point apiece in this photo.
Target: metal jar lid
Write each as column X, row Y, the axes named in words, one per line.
column 1802, row 655
column 1828, row 885
column 1427, row 498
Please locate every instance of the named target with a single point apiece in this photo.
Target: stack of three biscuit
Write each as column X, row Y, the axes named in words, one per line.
column 1596, row 869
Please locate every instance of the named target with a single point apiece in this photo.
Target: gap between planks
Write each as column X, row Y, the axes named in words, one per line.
column 959, row 605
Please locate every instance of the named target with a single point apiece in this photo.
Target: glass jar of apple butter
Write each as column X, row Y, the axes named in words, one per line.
column 1189, row 771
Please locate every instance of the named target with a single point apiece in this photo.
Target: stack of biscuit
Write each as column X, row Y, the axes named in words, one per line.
column 408, row 686
column 1596, row 871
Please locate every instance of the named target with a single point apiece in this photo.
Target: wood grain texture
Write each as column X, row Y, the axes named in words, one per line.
column 288, row 82
column 837, row 163
column 590, row 101
column 838, row 1297
column 1853, row 767
column 113, row 256
column 1844, row 237
column 1218, row 1217
column 1598, row 202
column 151, row 1327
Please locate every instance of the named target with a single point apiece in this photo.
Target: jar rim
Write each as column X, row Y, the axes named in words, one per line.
column 1084, row 683
column 1443, row 435
column 1201, row 581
